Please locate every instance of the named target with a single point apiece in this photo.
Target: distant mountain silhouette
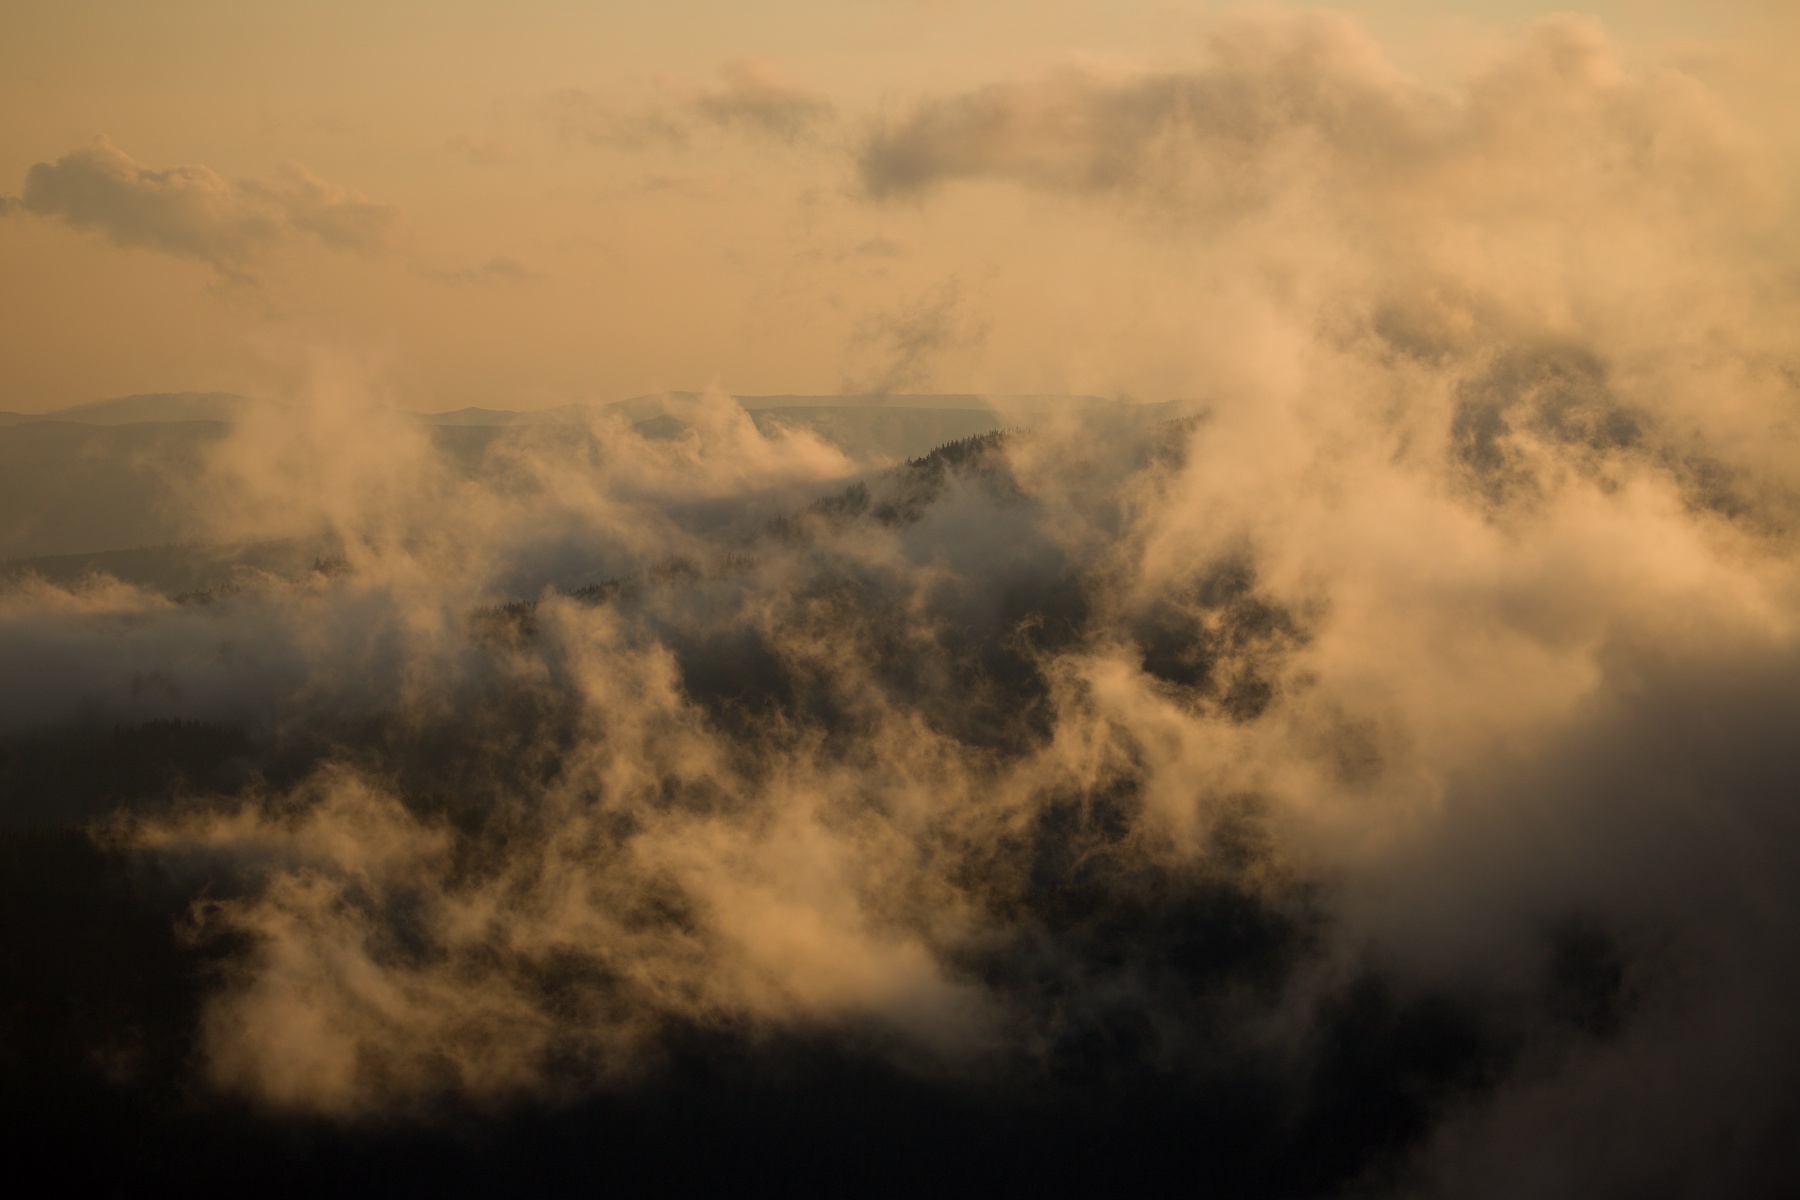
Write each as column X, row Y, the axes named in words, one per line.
column 658, row 404
column 475, row 416
column 163, row 407
column 868, row 427
column 107, row 476
column 148, row 408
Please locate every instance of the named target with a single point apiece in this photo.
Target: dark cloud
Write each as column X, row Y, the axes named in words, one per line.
column 192, row 212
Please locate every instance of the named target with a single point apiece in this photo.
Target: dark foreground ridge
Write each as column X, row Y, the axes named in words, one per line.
column 1146, row 1085
column 1169, row 1027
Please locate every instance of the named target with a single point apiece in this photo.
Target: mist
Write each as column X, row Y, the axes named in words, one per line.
column 1370, row 774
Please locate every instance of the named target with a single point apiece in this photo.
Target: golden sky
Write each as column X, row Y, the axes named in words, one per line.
column 546, row 201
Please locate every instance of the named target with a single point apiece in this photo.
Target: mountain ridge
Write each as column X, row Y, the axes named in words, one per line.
column 166, row 407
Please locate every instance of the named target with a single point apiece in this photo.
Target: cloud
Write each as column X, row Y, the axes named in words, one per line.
column 902, row 348
column 1289, row 103
column 753, row 96
column 495, row 271
column 193, row 212
column 579, row 115
column 760, row 96
column 480, row 150
column 880, row 246
column 341, row 125
column 1271, row 82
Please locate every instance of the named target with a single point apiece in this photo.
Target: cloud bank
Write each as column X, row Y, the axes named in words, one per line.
column 1311, row 102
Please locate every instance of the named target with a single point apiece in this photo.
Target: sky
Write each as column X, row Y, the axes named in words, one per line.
column 525, row 205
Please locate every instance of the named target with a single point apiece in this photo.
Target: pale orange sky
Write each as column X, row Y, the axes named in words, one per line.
column 547, row 201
